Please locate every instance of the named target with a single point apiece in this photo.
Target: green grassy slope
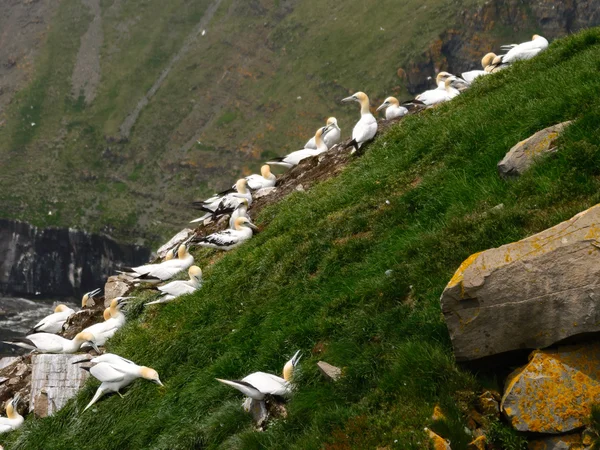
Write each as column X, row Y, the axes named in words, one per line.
column 259, row 83
column 315, row 279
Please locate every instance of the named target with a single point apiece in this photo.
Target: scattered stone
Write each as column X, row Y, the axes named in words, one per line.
column 330, row 372
column 478, row 443
column 174, row 242
column 54, row 380
column 17, row 379
column 116, row 286
column 489, row 403
column 300, row 188
column 566, row 442
column 439, row 443
column 8, row 360
column 525, row 153
column 555, row 391
column 263, row 192
column 527, row 294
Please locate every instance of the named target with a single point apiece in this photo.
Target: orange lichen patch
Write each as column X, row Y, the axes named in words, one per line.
column 439, row 443
column 437, row 413
column 458, row 276
column 554, row 392
column 570, row 441
column 477, row 444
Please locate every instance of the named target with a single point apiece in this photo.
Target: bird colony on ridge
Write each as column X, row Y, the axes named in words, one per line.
column 115, row 372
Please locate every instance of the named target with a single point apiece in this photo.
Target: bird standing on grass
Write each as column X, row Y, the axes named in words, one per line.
column 155, row 273
column 229, row 239
column 115, row 373
column 366, row 128
column 174, row 289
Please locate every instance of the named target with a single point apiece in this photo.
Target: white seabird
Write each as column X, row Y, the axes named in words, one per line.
column 177, row 288
column 51, row 343
column 54, row 322
column 155, row 273
column 486, row 62
column 115, row 373
column 437, row 95
column 294, row 158
column 331, row 137
column 392, row 108
column 523, row 51
column 257, row 385
column 88, row 298
column 226, row 200
column 13, row 419
column 114, row 320
column 366, row 128
column 229, row 239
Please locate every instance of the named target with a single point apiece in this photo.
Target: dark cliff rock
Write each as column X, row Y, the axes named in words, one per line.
column 493, row 24
column 59, row 261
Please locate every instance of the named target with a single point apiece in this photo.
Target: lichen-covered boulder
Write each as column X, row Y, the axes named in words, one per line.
column 54, row 380
column 555, row 391
column 528, row 294
column 524, row 154
column 566, row 442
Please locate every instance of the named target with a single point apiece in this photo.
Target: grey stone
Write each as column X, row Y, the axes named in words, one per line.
column 54, row 380
column 263, row 192
column 116, row 286
column 527, row 294
column 7, row 361
column 330, row 372
column 174, row 242
column 524, row 154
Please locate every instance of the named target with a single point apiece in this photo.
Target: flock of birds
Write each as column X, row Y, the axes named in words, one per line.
column 115, row 372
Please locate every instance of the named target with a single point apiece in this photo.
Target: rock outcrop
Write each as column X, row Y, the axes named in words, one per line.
column 59, row 261
column 528, row 294
column 524, row 154
column 15, row 378
column 566, row 442
column 555, row 391
column 54, row 380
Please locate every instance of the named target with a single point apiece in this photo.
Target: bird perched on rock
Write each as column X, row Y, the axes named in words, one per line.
column 54, row 322
column 155, row 273
column 51, row 343
column 330, row 138
column 392, row 108
column 115, row 372
column 366, row 128
column 114, row 320
column 226, row 200
column 174, row 289
column 13, row 419
column 258, row 385
column 231, row 238
column 294, row 158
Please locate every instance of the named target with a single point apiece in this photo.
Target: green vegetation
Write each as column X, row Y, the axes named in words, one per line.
column 594, row 427
column 504, row 437
column 416, row 204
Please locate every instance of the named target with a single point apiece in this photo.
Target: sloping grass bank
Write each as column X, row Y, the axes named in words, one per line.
column 418, row 203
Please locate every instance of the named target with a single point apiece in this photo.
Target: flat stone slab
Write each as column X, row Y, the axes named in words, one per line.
column 555, row 391
column 54, row 380
column 528, row 294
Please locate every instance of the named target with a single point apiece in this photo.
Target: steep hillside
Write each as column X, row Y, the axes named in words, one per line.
column 129, row 110
column 350, row 272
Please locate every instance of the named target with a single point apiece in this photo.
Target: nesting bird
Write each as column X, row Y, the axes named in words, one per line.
column 486, row 63
column 114, row 319
column 224, row 201
column 155, row 273
column 392, row 108
column 258, row 385
column 330, row 138
column 438, row 95
column 115, row 373
column 174, row 289
column 54, row 322
column 13, row 419
column 88, row 299
column 523, row 51
column 366, row 128
column 51, row 343
column 229, row 239
column 294, row 158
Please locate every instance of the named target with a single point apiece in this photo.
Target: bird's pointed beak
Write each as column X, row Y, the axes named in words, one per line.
column 159, row 383
column 94, row 346
column 80, row 361
column 383, row 105
column 252, row 227
column 296, row 358
column 348, row 99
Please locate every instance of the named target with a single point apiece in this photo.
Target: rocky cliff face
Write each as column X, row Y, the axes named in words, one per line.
column 59, row 261
column 495, row 23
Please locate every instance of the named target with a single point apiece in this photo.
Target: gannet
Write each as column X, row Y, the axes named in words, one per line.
column 229, row 239
column 53, row 323
column 227, row 200
column 525, row 50
column 13, row 419
column 89, row 297
column 170, row 255
column 114, row 320
column 392, row 108
column 366, row 128
column 115, row 373
column 294, row 158
column 51, row 343
column 451, row 89
column 176, row 288
column 473, row 74
column 331, row 137
column 259, row 384
column 155, row 273
column 437, row 95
